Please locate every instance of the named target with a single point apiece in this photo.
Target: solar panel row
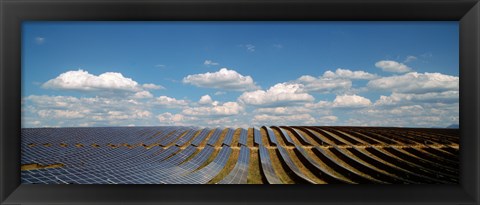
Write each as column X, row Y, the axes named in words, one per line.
column 300, row 136
column 228, row 137
column 243, row 137
column 286, row 136
column 240, row 172
column 214, row 137
column 205, row 174
column 271, row 135
column 124, row 155
column 187, row 137
column 291, row 165
column 257, row 136
column 267, row 166
column 200, row 137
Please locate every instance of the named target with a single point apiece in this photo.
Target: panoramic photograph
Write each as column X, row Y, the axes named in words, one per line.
column 235, row 102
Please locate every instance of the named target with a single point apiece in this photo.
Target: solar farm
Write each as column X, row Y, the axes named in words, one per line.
column 258, row 155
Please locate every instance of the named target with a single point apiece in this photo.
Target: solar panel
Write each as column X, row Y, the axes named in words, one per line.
column 172, row 137
column 314, row 135
column 257, row 136
column 286, row 158
column 240, row 172
column 287, row 137
column 187, row 137
column 228, row 137
column 363, row 166
column 243, row 137
column 326, row 175
column 136, row 155
column 302, row 138
column 271, row 135
column 214, row 137
column 205, row 174
column 267, row 166
column 200, row 137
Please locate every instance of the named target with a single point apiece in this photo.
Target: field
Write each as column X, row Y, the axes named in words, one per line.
column 263, row 155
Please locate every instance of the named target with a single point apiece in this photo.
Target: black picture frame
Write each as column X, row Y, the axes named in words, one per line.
column 13, row 12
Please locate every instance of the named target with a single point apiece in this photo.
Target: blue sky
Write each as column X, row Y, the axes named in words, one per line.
column 323, row 73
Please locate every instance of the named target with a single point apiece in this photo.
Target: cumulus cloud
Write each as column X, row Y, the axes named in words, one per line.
column 83, row 81
column 223, row 79
column 60, row 114
column 174, row 119
column 447, row 97
column 414, row 82
column 392, row 66
column 339, row 81
column 151, row 86
column 206, row 99
column 54, row 111
column 225, row 109
column 324, row 85
column 280, row 94
column 143, row 94
column 170, row 102
column 319, row 105
column 349, row 74
column 283, row 110
column 111, row 84
column 327, row 119
column 210, row 62
column 351, row 101
column 414, row 115
column 296, row 119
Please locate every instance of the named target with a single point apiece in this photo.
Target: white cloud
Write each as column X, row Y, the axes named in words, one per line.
column 151, row 86
column 410, row 59
column 143, row 94
column 298, row 119
column 83, row 81
column 339, row 81
column 222, row 79
column 416, row 83
column 351, row 101
column 39, row 40
column 60, row 114
column 392, row 66
column 174, row 119
column 327, row 119
column 324, row 85
column 281, row 94
column 319, row 105
column 283, row 110
column 226, row 109
column 447, row 97
column 169, row 102
column 220, row 93
column 72, row 111
column 348, row 74
column 206, row 99
column 414, row 115
column 160, row 66
column 210, row 62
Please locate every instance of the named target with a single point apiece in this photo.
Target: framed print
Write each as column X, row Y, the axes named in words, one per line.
column 115, row 102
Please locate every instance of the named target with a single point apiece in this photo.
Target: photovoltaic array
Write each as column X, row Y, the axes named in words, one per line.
column 267, row 154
